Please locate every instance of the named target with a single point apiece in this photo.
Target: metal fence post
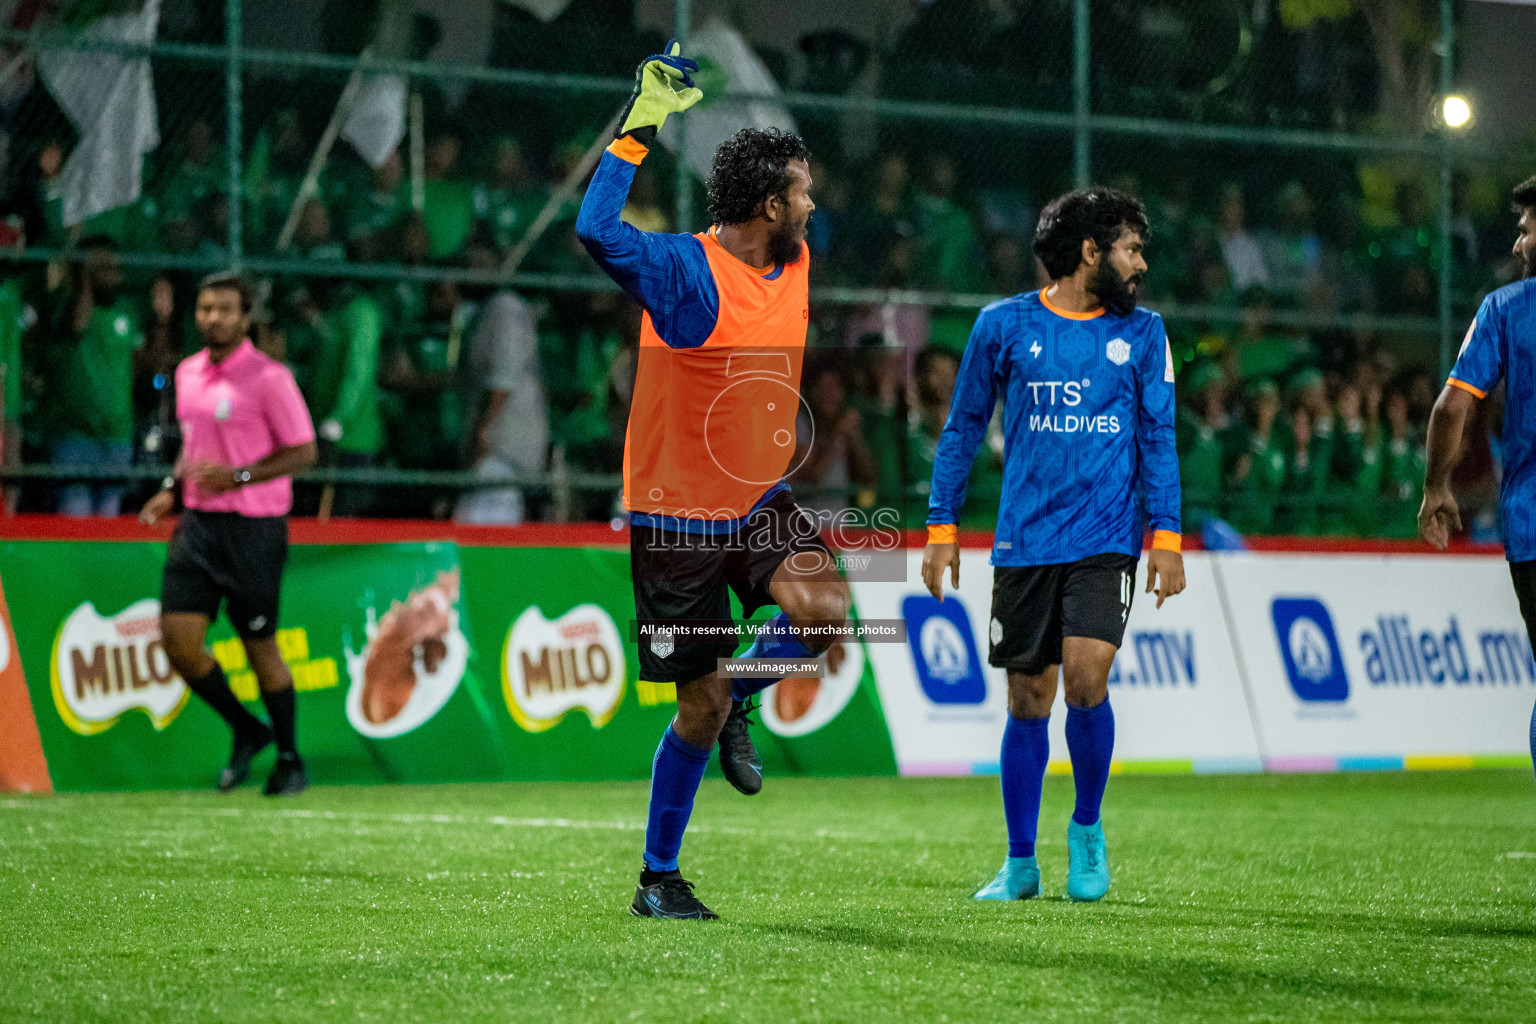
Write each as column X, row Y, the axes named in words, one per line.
column 1082, row 138
column 1447, row 48
column 682, row 27
column 233, row 134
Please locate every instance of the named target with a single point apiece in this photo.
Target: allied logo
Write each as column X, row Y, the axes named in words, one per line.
column 1118, row 351
column 552, row 667
column 944, row 650
column 1310, row 649
column 104, row 667
column 662, row 644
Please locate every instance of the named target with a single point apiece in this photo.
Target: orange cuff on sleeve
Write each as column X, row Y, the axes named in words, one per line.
column 1167, row 540
column 1468, row 388
column 943, row 533
column 629, row 149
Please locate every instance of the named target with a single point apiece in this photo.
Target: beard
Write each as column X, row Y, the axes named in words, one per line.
column 1527, row 265
column 784, row 245
column 1118, row 294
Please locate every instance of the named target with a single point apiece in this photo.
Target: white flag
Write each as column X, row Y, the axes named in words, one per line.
column 376, row 125
column 725, row 62
column 110, row 98
column 545, row 10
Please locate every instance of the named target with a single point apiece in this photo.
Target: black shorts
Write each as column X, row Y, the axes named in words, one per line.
column 689, row 577
column 215, row 556
column 1524, row 575
column 1033, row 607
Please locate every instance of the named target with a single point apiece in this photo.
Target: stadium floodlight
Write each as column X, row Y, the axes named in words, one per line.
column 1456, row 111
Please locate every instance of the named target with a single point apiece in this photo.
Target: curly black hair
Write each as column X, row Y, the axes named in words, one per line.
column 1525, row 195
column 751, row 167
column 1068, row 221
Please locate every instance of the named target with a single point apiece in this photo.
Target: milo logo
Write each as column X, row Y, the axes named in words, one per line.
column 103, row 667
column 552, row 667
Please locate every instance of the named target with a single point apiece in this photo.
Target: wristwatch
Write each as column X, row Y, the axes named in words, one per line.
column 242, row 477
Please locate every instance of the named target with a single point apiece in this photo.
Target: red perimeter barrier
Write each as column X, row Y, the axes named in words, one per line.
column 548, row 535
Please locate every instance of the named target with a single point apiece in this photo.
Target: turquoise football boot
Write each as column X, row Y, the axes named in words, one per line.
column 1017, row 879
column 1087, row 863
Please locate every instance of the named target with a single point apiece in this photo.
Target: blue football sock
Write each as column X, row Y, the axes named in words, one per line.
column 675, row 776
column 1090, row 741
column 1026, row 748
column 774, row 640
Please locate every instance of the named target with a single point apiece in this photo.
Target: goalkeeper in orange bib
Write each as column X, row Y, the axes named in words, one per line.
column 711, row 438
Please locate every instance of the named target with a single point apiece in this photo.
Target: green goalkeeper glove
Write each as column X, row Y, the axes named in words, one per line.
column 656, row 93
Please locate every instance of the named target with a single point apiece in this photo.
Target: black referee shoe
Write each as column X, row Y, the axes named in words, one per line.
column 246, row 748
column 739, row 759
column 670, row 897
column 287, row 778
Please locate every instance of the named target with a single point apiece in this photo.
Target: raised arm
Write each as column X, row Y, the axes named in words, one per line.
column 667, row 274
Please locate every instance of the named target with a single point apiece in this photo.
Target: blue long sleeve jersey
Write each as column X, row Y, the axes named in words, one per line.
column 1501, row 345
column 668, row 274
column 1088, row 415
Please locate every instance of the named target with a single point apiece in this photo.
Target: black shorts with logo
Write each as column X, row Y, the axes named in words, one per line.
column 1034, row 606
column 218, row 556
column 690, row 576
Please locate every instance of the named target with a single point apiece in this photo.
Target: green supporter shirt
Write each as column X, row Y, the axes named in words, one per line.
column 448, row 211
column 13, row 311
column 508, row 212
column 576, row 386
column 1202, row 464
column 1250, row 504
column 93, row 395
column 345, row 381
column 1402, row 486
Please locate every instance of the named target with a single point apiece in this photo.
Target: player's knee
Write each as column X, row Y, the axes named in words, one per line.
column 824, row 611
column 184, row 652
column 1085, row 689
column 702, row 710
column 1031, row 696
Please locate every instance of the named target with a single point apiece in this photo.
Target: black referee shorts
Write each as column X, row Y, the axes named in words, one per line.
column 683, row 577
column 1034, row 607
column 219, row 556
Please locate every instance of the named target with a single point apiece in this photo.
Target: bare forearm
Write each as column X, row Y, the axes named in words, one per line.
column 1447, row 422
column 284, row 462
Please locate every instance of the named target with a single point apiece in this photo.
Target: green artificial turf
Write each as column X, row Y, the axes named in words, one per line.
column 1401, row 897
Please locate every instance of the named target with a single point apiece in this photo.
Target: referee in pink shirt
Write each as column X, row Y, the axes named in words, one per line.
column 244, row 431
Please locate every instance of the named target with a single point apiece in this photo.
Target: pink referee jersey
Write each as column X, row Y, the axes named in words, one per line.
column 236, row 413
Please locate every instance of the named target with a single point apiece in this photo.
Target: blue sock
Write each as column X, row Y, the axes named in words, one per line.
column 675, row 777
column 1026, row 748
column 1090, row 741
column 774, row 640
column 1533, row 737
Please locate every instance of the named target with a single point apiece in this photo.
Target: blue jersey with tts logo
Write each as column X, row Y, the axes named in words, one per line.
column 1501, row 345
column 1088, row 418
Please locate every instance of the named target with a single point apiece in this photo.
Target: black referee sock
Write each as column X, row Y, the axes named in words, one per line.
column 214, row 689
column 281, row 709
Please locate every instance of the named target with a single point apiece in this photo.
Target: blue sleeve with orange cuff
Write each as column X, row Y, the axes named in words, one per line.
column 1480, row 364
column 969, row 413
column 667, row 274
column 1155, row 443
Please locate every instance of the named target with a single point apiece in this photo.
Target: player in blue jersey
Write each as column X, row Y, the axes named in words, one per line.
column 1500, row 345
column 1086, row 381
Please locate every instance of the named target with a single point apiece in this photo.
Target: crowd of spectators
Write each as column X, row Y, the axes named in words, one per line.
column 1281, row 428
